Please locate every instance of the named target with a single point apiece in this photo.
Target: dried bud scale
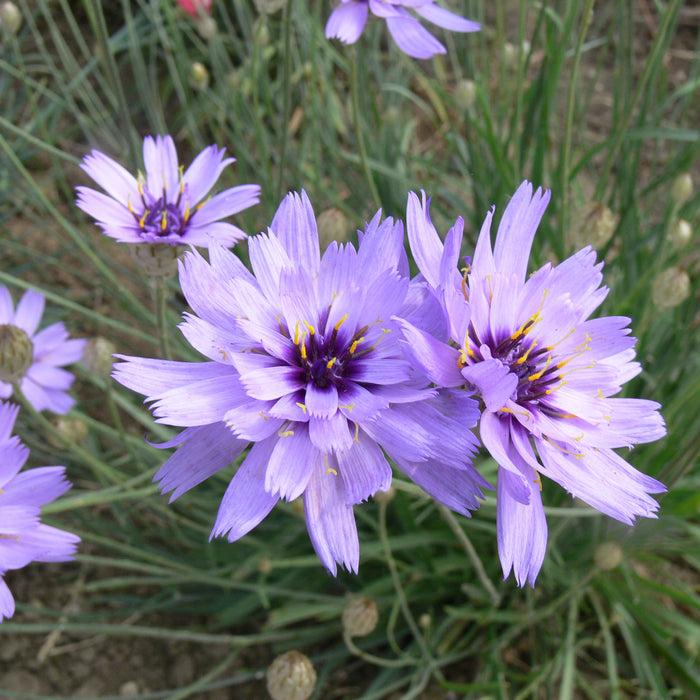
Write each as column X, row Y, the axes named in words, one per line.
column 360, row 616
column 291, row 676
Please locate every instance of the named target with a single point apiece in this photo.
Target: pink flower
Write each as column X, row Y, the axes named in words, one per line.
column 195, row 7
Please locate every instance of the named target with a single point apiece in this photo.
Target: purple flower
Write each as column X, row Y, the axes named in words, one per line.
column 545, row 373
column 348, row 20
column 23, row 538
column 165, row 205
column 34, row 359
column 307, row 364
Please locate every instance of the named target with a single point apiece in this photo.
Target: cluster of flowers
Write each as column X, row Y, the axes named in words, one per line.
column 349, row 18
column 329, row 363
column 30, row 362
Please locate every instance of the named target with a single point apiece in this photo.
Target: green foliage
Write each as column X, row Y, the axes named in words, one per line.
column 599, row 107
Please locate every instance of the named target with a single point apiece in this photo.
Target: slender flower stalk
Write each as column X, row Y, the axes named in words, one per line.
column 545, row 372
column 34, row 359
column 23, row 537
column 165, row 206
column 348, row 20
column 306, row 363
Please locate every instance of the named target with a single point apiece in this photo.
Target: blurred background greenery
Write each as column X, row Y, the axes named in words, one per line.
column 598, row 101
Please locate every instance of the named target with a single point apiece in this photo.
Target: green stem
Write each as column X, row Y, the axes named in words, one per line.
column 161, row 292
column 286, row 96
column 355, row 92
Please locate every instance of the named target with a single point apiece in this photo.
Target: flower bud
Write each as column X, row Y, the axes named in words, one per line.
column 97, row 356
column 16, row 353
column 608, row 556
column 207, row 27
column 682, row 189
column 670, row 288
column 291, row 676
column 592, row 224
column 73, row 430
column 199, row 76
column 680, row 234
column 385, row 496
column 158, row 261
column 360, row 616
column 465, row 95
column 332, row 226
column 10, row 18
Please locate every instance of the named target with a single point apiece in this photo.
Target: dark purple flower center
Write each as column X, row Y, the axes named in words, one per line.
column 325, row 363
column 163, row 219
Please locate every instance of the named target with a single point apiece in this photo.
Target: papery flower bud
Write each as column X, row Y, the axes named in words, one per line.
column 592, row 224
column 424, row 621
column 680, row 234
column 670, row 288
column 159, row 262
column 16, row 353
column 608, row 556
column 73, row 430
column 332, row 226
column 207, row 27
column 97, row 356
column 10, row 18
column 199, row 76
column 465, row 95
column 291, row 676
column 385, row 496
column 360, row 616
column 682, row 189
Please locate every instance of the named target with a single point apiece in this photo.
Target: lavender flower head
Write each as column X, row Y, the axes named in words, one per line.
column 307, row 364
column 543, row 369
column 348, row 20
column 34, row 359
column 165, row 205
column 23, row 537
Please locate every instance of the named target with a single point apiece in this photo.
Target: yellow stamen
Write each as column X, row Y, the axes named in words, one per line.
column 286, row 433
column 331, row 362
column 357, row 433
column 260, row 413
column 142, row 220
column 340, row 323
column 163, row 221
column 348, row 407
column 310, row 327
column 538, row 480
column 302, row 407
column 353, row 347
column 523, row 358
column 537, row 375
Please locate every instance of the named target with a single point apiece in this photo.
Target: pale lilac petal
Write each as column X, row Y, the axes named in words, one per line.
column 436, row 359
column 216, row 233
column 49, row 544
column 291, row 463
column 226, row 203
column 110, row 176
column 294, row 225
column 522, row 529
column 246, row 503
column 382, row 250
column 7, row 602
column 204, row 451
column 268, row 258
column 331, row 522
column 7, row 308
column 160, row 161
column 8, row 416
column 347, row 21
column 445, row 18
column 494, row 380
column 36, row 487
column 13, row 455
column 380, row 371
column 358, row 404
column 330, row 434
column 50, row 376
column 272, row 382
column 252, row 420
column 29, row 311
column 412, row 38
column 363, row 469
column 203, row 173
column 44, row 398
column 426, row 246
column 321, row 402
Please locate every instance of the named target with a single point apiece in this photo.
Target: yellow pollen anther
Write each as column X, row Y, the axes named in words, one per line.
column 303, row 346
column 340, row 323
column 553, row 389
column 302, row 407
column 551, row 347
column 142, row 220
column 357, row 433
column 186, row 215
column 330, row 470
column 353, row 347
column 223, row 354
column 505, row 409
column 286, row 433
column 310, row 327
column 522, row 359
column 537, row 375
column 347, row 407
column 599, row 395
column 296, row 334
column 260, row 413
column 128, row 204
column 537, row 480
column 331, row 362
column 163, row 221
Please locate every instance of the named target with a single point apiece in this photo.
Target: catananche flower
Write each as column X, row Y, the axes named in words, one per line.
column 307, row 364
column 165, row 205
column 545, row 373
column 23, row 538
column 348, row 20
column 34, row 359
